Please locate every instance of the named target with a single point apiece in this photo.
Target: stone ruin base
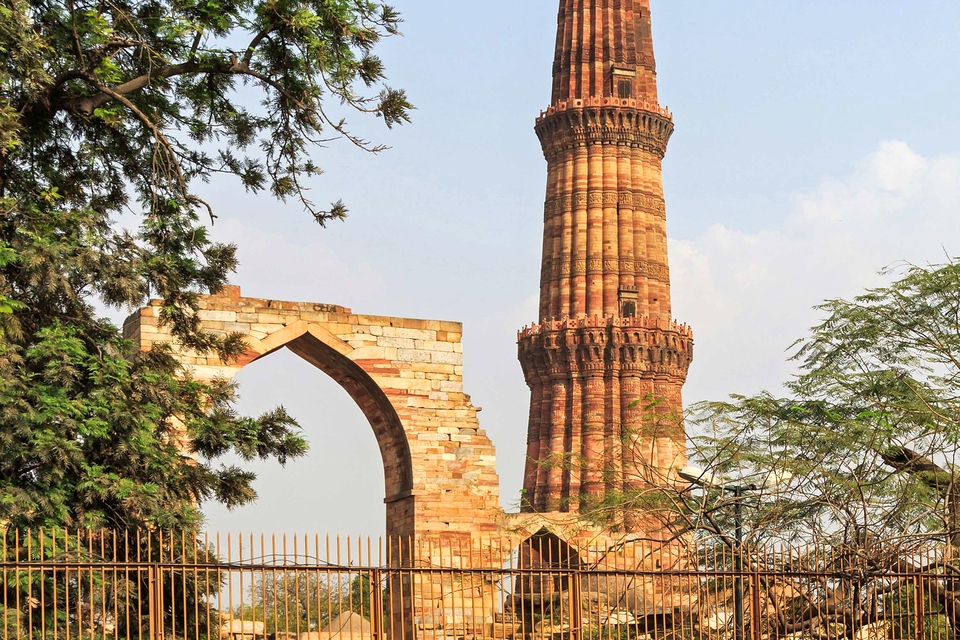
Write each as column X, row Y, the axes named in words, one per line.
column 543, row 574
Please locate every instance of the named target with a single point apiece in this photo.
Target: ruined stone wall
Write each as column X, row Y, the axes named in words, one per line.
column 406, row 375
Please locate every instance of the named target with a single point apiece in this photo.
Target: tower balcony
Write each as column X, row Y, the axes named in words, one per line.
column 604, row 120
column 607, row 101
column 644, row 345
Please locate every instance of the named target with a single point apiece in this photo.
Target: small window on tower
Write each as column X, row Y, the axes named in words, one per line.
column 628, row 303
column 623, row 79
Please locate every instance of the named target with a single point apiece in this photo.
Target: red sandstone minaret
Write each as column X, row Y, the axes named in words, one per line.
column 606, row 346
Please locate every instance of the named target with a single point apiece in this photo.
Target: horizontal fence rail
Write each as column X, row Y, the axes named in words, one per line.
column 155, row 585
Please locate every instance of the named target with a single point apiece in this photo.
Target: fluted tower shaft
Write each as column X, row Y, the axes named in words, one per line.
column 605, row 348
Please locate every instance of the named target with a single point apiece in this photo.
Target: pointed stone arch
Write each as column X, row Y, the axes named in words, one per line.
column 405, row 375
column 331, row 355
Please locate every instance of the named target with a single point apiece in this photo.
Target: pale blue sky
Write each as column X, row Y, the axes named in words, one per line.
column 816, row 142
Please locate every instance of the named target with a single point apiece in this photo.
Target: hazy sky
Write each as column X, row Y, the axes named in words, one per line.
column 816, row 142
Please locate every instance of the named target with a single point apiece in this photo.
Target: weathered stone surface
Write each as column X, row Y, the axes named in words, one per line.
column 605, row 345
column 414, row 403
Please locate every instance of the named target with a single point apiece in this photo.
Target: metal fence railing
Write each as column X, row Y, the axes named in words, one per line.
column 154, row 585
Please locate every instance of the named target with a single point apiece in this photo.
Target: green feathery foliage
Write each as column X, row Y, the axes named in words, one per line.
column 869, row 428
column 118, row 107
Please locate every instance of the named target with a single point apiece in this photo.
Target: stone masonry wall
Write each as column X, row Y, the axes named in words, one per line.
column 406, row 376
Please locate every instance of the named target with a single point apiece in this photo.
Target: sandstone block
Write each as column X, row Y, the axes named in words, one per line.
column 443, row 357
column 272, row 318
column 433, row 437
column 358, row 342
column 222, row 316
column 373, row 353
column 402, row 343
column 434, row 345
column 314, row 316
column 417, row 334
column 340, row 329
column 405, row 384
column 413, row 355
column 266, row 328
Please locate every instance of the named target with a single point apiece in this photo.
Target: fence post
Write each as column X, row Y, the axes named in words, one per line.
column 755, row 613
column 155, row 598
column 376, row 604
column 918, row 611
column 576, row 606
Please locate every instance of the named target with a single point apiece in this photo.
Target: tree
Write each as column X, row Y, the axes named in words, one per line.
column 869, row 432
column 117, row 108
column 870, row 427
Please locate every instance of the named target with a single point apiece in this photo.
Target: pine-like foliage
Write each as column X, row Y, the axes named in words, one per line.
column 869, row 429
column 116, row 108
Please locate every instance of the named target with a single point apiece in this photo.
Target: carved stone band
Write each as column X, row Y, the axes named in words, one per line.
column 631, row 200
column 558, row 268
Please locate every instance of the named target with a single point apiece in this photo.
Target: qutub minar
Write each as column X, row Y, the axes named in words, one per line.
column 606, row 347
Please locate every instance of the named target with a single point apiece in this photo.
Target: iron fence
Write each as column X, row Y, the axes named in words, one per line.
column 153, row 585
